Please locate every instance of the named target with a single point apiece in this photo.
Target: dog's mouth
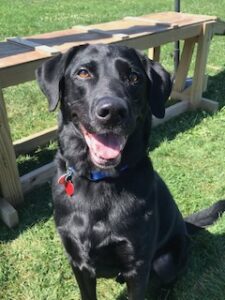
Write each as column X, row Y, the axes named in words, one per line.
column 105, row 149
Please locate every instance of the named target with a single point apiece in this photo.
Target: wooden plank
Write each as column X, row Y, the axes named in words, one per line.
column 174, row 18
column 171, row 112
column 91, row 29
column 9, row 176
column 119, row 35
column 33, row 141
column 181, row 19
column 8, row 49
column 205, row 104
column 154, row 53
column 25, row 56
column 133, row 29
column 8, row 214
column 19, row 73
column 161, row 38
column 33, row 45
column 122, row 27
column 209, row 105
column 37, row 177
column 151, row 21
column 184, row 64
column 149, row 24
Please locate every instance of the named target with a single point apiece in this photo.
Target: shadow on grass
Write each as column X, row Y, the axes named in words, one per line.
column 206, row 260
column 36, row 159
column 216, row 88
column 172, row 128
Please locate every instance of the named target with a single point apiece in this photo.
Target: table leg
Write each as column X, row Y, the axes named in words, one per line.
column 10, row 185
column 154, row 53
column 184, row 65
column 203, row 44
column 8, row 214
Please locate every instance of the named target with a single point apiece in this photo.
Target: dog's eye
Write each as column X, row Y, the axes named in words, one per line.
column 134, row 77
column 83, row 73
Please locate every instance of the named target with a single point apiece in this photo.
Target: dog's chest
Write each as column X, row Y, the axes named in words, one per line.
column 108, row 248
column 105, row 228
column 109, row 240
column 109, row 251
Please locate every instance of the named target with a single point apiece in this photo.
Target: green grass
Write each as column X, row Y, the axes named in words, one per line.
column 188, row 152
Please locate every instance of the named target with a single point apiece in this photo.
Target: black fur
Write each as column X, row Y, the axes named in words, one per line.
column 127, row 223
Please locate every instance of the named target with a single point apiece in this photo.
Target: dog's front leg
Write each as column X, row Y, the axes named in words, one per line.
column 87, row 284
column 137, row 285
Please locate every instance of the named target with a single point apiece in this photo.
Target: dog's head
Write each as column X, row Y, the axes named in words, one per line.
column 107, row 92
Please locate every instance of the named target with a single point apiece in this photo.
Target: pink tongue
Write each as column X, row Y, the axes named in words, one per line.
column 105, row 146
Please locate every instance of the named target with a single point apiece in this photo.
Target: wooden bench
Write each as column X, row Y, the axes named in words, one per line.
column 19, row 57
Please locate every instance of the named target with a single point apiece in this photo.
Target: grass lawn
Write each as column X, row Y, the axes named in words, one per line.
column 188, row 152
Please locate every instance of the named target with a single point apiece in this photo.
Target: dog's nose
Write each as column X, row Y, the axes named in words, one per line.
column 111, row 109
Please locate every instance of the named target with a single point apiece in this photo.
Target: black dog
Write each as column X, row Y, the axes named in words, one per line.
column 115, row 215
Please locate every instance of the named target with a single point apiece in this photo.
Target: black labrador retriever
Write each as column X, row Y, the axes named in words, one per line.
column 114, row 213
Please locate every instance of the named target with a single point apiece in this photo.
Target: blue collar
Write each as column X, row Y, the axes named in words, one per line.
column 67, row 179
column 94, row 175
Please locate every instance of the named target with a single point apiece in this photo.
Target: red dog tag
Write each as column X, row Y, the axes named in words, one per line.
column 68, row 185
column 69, row 188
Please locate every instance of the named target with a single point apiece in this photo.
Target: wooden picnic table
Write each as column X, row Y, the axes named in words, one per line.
column 19, row 57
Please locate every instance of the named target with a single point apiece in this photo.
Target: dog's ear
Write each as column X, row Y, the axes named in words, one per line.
column 50, row 74
column 160, row 85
